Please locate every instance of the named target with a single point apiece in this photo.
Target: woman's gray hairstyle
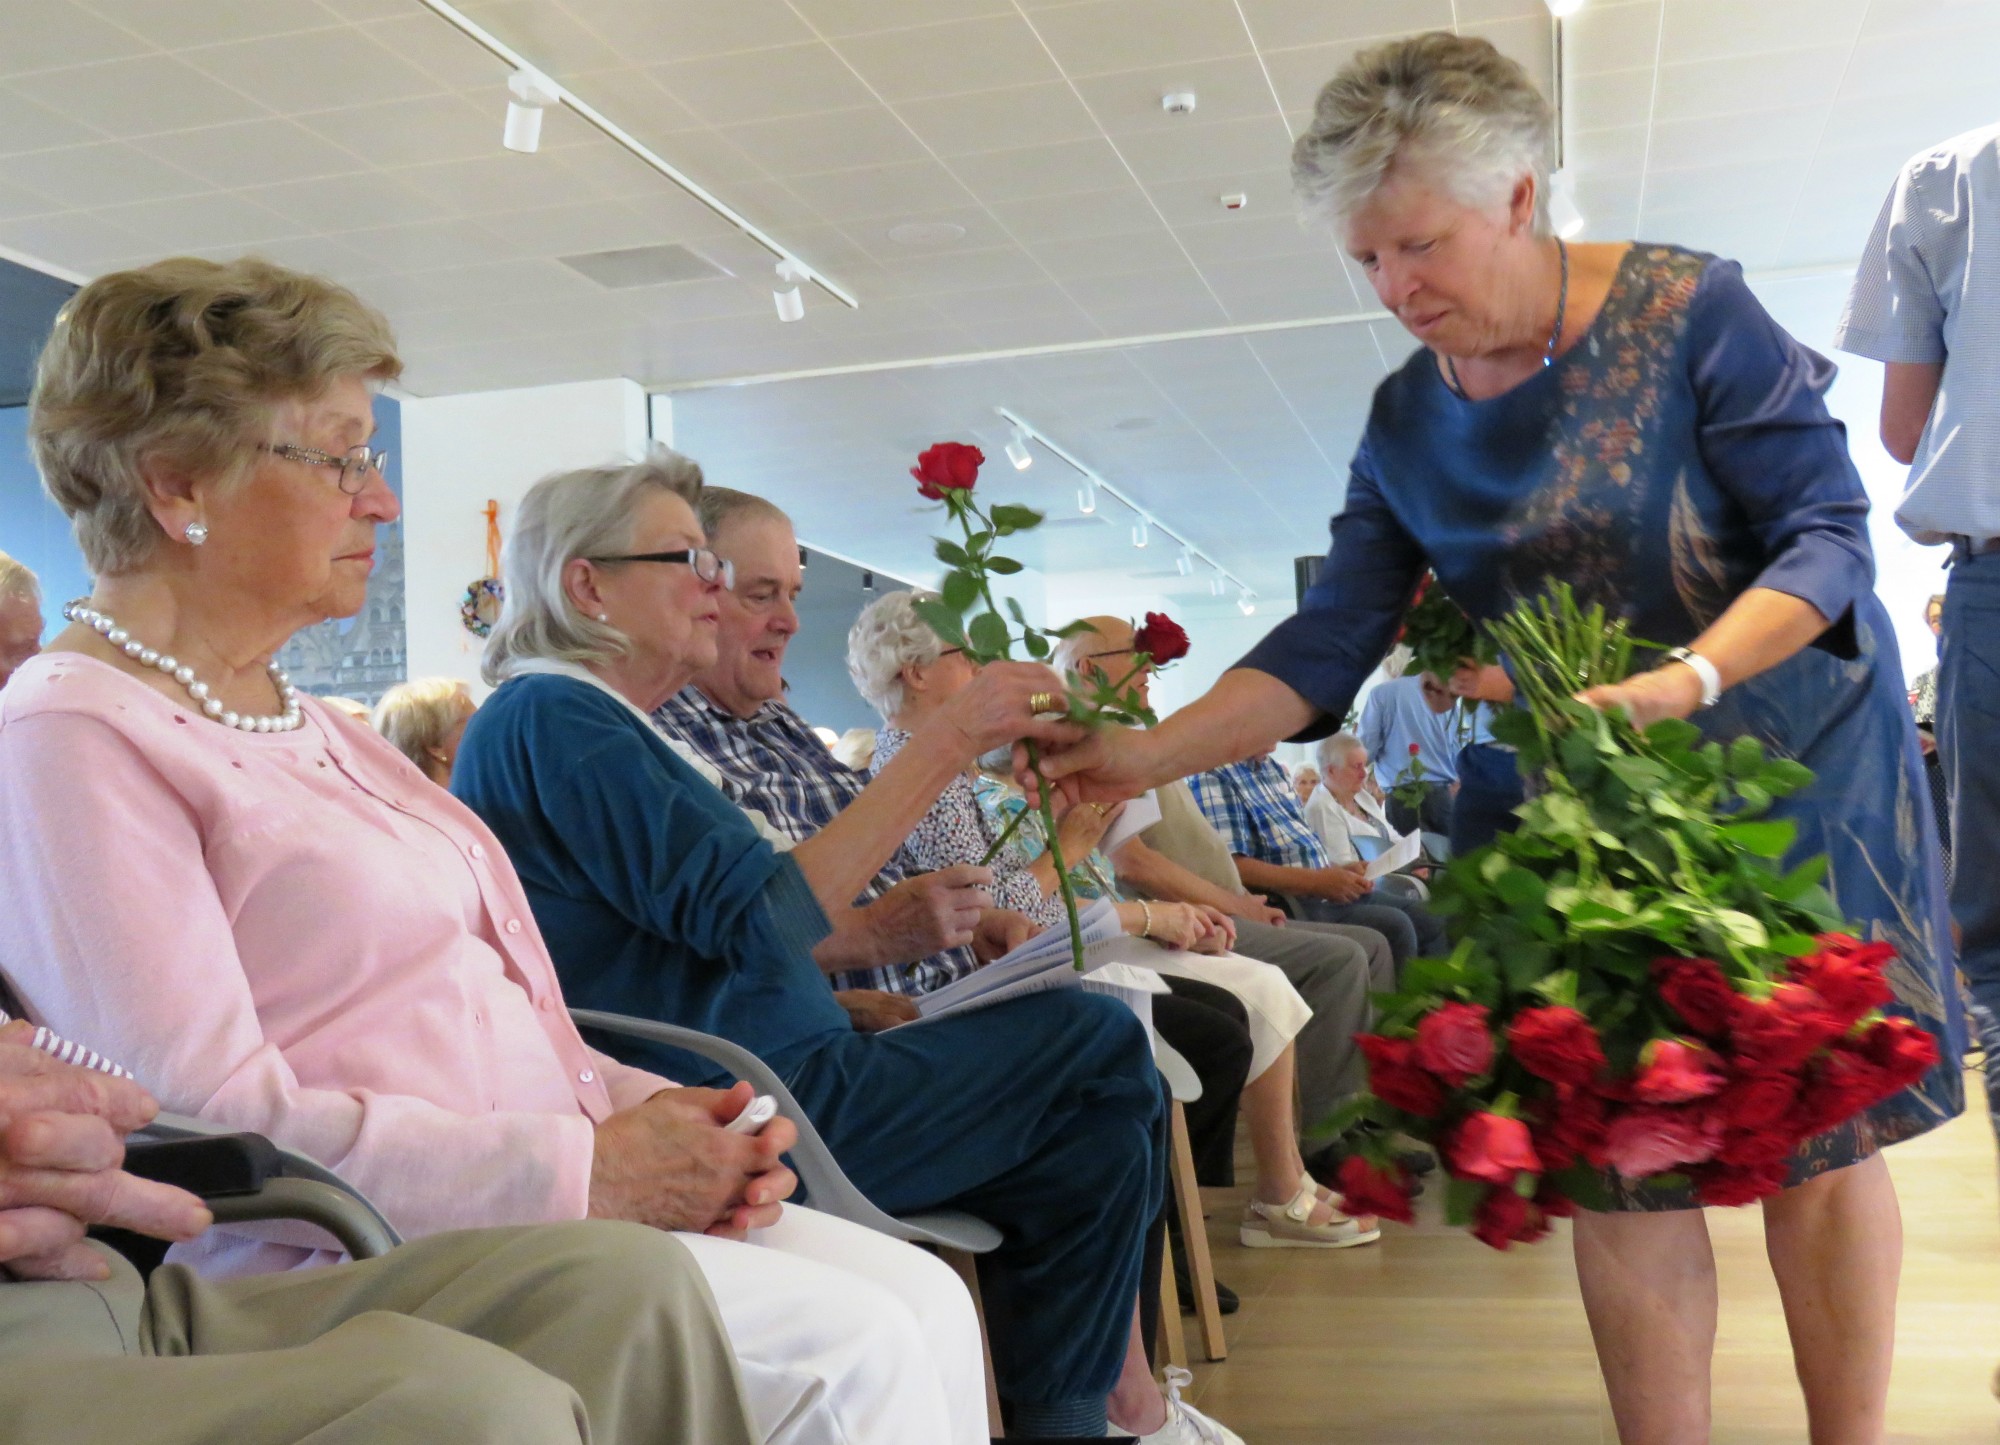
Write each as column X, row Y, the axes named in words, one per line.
column 1333, row 751
column 1450, row 105
column 887, row 637
column 17, row 581
column 585, row 513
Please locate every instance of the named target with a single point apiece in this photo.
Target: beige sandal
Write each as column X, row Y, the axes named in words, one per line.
column 1289, row 1226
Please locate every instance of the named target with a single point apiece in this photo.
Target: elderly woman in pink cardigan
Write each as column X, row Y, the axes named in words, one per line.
column 275, row 922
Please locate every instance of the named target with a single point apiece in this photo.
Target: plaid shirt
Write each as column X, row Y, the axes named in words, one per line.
column 1254, row 808
column 772, row 762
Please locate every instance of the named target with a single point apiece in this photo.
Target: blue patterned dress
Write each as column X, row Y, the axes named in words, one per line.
column 1675, row 456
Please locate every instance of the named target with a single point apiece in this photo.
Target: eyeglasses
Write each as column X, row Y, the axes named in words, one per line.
column 355, row 463
column 707, row 566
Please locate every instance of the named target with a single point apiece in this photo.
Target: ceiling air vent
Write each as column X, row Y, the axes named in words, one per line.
column 643, row 266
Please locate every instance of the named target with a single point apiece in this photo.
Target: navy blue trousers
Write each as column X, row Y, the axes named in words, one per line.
column 1489, row 790
column 1043, row 1116
column 1968, row 733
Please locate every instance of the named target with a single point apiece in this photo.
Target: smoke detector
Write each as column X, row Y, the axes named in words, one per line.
column 1178, row 102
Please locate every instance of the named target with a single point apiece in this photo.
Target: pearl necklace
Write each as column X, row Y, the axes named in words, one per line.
column 107, row 628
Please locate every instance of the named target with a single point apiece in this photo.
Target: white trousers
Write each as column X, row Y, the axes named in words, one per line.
column 1276, row 1010
column 847, row 1337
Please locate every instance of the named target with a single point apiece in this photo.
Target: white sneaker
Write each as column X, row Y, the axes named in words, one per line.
column 1185, row 1424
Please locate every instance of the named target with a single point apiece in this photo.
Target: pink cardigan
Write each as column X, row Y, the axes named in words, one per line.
column 297, row 934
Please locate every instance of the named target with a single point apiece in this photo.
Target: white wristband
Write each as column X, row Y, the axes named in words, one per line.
column 1711, row 677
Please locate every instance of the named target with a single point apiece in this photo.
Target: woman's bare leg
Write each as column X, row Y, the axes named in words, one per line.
column 1649, row 1289
column 1836, row 1246
column 1272, row 1115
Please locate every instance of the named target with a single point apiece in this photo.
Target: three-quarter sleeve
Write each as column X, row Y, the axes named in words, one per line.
column 1894, row 311
column 1771, row 445
column 115, row 934
column 1347, row 621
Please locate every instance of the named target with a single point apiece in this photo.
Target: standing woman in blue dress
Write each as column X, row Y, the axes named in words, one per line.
column 1628, row 418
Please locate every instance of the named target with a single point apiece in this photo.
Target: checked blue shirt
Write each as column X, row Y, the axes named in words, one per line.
column 771, row 761
column 1254, row 808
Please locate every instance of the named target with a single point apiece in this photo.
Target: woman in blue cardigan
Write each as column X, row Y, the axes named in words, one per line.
column 660, row 898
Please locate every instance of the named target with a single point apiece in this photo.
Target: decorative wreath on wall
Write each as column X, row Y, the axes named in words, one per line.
column 479, row 608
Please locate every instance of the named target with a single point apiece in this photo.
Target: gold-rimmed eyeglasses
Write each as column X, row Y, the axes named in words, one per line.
column 355, row 463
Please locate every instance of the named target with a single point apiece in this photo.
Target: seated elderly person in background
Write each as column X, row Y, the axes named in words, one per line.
column 1305, row 778
column 1344, row 810
column 268, row 915
column 20, row 616
column 661, row 898
column 907, row 931
column 423, row 720
column 1414, row 717
column 1252, row 805
column 911, row 678
column 536, row 1336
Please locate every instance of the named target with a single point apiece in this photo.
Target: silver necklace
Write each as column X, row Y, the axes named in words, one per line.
column 1555, row 335
column 107, row 627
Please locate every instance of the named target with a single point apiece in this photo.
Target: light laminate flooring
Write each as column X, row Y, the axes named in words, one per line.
column 1430, row 1338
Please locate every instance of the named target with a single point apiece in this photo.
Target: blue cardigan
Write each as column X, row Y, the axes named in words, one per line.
column 656, row 896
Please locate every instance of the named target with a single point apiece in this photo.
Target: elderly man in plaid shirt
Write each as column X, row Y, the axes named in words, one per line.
column 1252, row 805
column 911, row 931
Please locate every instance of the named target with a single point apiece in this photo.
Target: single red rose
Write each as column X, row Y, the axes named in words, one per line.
column 1847, row 975
column 1557, row 1044
column 1367, row 1189
column 1645, row 1141
column 947, row 467
column 1727, row 1187
column 1162, row 639
column 1504, row 1217
column 1778, row 1035
column 1454, row 1043
column 1492, row 1148
column 1578, row 1121
column 1757, row 1101
column 1415, row 748
column 1395, row 1078
column 1903, row 1051
column 1673, row 1072
column 1695, row 989
column 1838, row 1084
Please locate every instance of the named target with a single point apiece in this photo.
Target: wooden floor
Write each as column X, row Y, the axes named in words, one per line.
column 1430, row 1338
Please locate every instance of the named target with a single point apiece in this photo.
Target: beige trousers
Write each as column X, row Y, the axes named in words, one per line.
column 582, row 1332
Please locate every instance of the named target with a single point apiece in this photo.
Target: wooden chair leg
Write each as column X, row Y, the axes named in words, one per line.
column 1173, row 1338
column 1194, row 1235
column 966, row 1266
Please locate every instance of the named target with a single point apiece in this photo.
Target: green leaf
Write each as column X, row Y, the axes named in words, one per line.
column 1673, row 734
column 949, row 553
column 1801, row 880
column 1746, row 756
column 1514, row 727
column 960, row 590
column 1741, row 928
column 1767, row 838
column 1584, row 1185
column 1754, row 798
column 1070, row 629
column 988, row 635
column 1037, row 645
column 1461, row 1200
column 1014, row 610
column 1784, row 776
column 1522, row 891
column 1002, row 566
column 1010, row 518
column 942, row 620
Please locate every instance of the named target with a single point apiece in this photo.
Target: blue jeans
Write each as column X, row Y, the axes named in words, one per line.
column 1968, row 733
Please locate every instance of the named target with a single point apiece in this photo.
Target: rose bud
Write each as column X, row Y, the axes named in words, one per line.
column 1162, row 639
column 1454, row 1043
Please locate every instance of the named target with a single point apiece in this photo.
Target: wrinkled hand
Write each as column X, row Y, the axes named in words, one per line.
column 1183, row 926
column 1221, row 930
column 1670, row 691
column 992, row 710
column 1108, row 764
column 62, row 1139
column 1482, row 682
column 1000, row 932
column 1080, row 827
column 1345, row 882
column 871, row 1010
column 1256, row 908
column 668, row 1163
column 928, row 913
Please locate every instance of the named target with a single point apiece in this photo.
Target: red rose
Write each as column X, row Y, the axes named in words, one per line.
column 1779, row 1035
column 1726, row 1187
column 1454, row 1043
column 1578, row 1121
column 1757, row 1102
column 1758, row 1148
column 1642, row 1142
column 1902, row 1050
column 1162, row 639
column 1395, row 1079
column 1415, row 748
column 1552, row 1201
column 1505, row 1218
column 1695, row 989
column 1368, row 1189
column 947, row 467
column 1672, row 1072
column 1847, row 974
column 1557, row 1044
column 1492, row 1148
column 1840, row 1083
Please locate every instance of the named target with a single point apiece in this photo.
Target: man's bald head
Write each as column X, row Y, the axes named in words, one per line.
column 1106, row 634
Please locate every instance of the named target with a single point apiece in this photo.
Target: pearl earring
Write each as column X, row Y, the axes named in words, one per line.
column 196, row 533
column 604, row 617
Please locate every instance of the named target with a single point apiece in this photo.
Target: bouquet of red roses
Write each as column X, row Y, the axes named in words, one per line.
column 1638, row 988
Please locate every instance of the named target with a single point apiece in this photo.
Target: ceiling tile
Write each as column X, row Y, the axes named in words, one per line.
column 1279, row 24
column 17, row 201
column 1301, row 74
column 629, row 96
column 1230, row 88
column 177, row 24
column 431, row 245
column 993, row 120
column 1772, row 183
column 1707, row 29
column 964, row 272
column 1604, row 99
column 1926, row 62
column 553, row 39
column 1896, row 16
column 894, row 191
column 1197, row 201
column 503, row 181
column 1043, row 219
column 858, row 17
column 437, row 48
column 1050, row 170
column 1525, row 40
column 981, row 229
column 650, row 32
column 1135, row 288
column 1220, row 148
column 42, row 34
column 788, row 80
column 1248, row 235
column 1734, row 83
column 321, row 255
column 1620, row 151
column 319, row 70
column 1100, row 255
column 28, row 126
column 836, row 141
column 1613, row 37
column 188, row 223
column 366, row 9
column 251, row 153
column 332, row 205
column 138, row 97
column 98, row 175
column 931, row 59
column 75, row 241
column 1099, row 36
column 1723, row 139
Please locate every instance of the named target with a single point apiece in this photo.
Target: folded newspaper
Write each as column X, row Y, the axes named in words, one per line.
column 1043, row 962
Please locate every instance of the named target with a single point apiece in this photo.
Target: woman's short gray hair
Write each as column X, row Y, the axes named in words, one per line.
column 1450, row 105
column 887, row 637
column 586, row 513
column 1334, row 751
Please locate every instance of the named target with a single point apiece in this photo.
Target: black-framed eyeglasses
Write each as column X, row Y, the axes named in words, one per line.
column 355, row 463
column 707, row 566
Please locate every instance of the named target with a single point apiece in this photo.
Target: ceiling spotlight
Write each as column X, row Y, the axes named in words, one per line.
column 1017, row 451
column 1216, row 585
column 1184, row 564
column 532, row 93
column 1086, row 497
column 1563, row 212
column 1142, row 531
column 867, row 581
column 1244, row 602
column 791, row 306
column 1561, row 8
column 1178, row 102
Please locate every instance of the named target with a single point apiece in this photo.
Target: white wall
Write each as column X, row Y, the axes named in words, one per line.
column 458, row 451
